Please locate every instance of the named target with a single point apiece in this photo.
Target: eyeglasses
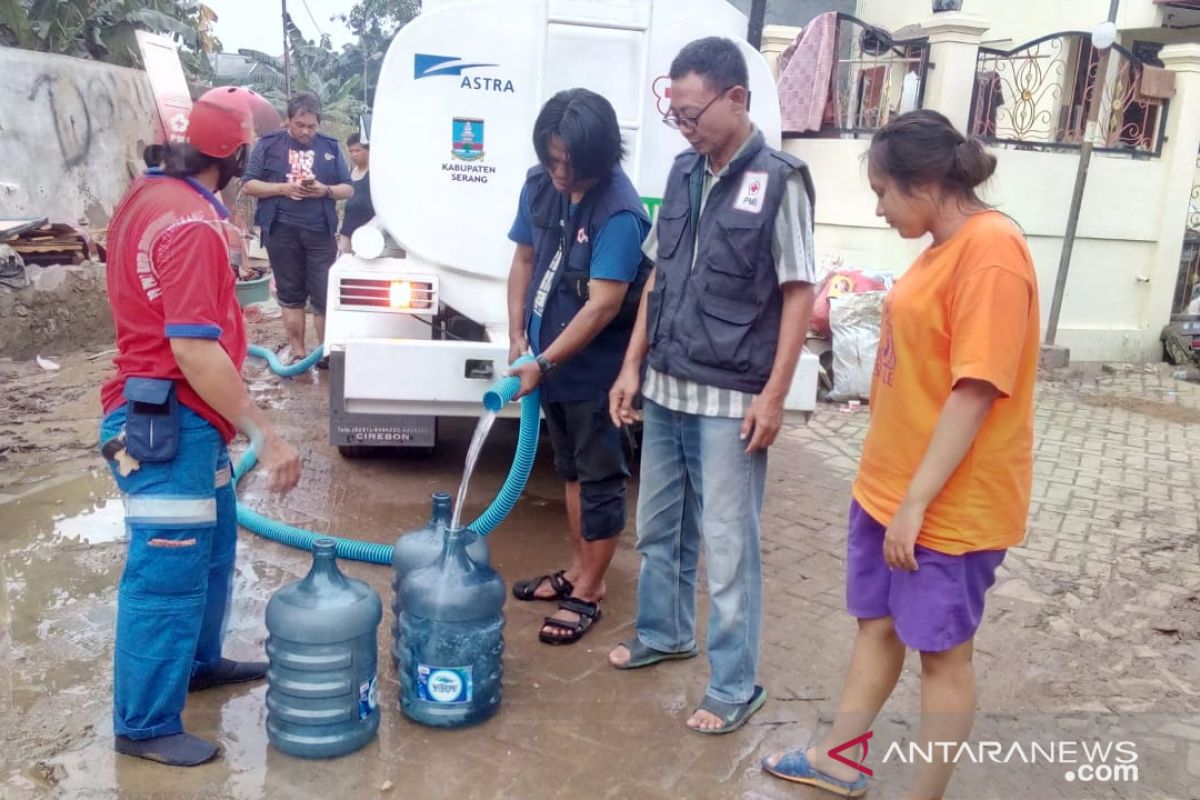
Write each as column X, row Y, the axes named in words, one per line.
column 688, row 124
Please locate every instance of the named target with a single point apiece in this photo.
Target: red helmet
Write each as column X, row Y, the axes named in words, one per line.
column 222, row 120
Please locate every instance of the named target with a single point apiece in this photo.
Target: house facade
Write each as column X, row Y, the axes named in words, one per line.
column 1025, row 76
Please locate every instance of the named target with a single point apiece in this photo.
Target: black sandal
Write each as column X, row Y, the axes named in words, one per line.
column 589, row 615
column 525, row 590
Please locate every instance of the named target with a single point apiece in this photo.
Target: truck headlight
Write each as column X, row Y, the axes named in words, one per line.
column 368, row 242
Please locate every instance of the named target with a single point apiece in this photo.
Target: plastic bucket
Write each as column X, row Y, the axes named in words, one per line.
column 255, row 291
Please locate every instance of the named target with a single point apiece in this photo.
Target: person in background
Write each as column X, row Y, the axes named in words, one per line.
column 576, row 275
column 359, row 209
column 720, row 330
column 175, row 402
column 947, row 466
column 298, row 175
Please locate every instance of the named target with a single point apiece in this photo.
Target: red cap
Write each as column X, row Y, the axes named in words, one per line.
column 222, row 120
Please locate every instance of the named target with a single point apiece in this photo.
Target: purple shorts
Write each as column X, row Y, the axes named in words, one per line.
column 933, row 609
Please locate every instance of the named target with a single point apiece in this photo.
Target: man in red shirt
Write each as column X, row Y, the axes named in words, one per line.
column 176, row 401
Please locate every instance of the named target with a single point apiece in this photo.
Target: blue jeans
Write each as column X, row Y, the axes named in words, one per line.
column 181, row 518
column 681, row 455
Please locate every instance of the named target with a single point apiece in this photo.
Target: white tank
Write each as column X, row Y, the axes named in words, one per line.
column 459, row 91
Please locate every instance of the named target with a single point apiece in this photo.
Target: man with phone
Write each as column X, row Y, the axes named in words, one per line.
column 298, row 175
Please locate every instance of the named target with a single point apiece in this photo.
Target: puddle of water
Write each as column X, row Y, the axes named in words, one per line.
column 83, row 510
column 104, row 523
column 486, row 420
column 58, row 571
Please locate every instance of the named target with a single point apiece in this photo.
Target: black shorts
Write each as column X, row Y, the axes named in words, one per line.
column 300, row 260
column 589, row 449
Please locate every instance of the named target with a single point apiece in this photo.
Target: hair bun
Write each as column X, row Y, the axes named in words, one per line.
column 973, row 163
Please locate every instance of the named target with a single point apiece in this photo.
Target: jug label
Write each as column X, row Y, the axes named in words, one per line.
column 368, row 698
column 444, row 685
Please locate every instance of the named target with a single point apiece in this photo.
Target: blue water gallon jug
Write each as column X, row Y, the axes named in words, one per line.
column 423, row 546
column 450, row 638
column 321, row 695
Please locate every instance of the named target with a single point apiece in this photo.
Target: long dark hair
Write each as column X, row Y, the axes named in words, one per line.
column 587, row 124
column 181, row 160
column 923, row 148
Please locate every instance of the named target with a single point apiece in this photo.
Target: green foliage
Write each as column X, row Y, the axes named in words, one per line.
column 316, row 68
column 105, row 29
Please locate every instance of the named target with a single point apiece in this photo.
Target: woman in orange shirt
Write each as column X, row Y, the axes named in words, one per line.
column 943, row 485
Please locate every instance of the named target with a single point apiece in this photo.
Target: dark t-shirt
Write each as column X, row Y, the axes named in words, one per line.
column 308, row 213
column 359, row 209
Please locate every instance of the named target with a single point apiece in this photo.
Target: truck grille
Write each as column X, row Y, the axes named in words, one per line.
column 382, row 294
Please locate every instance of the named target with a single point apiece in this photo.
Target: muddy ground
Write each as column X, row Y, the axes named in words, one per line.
column 569, row 726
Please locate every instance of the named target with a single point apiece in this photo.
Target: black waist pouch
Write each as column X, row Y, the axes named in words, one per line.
column 152, row 419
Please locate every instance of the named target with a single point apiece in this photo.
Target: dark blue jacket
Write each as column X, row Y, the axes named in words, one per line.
column 592, row 371
column 272, row 153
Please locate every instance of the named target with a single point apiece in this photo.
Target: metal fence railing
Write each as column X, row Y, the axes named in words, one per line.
column 875, row 76
column 1043, row 94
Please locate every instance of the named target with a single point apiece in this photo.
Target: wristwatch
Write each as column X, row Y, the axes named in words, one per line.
column 545, row 365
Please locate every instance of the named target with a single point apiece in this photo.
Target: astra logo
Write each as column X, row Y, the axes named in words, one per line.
column 431, row 66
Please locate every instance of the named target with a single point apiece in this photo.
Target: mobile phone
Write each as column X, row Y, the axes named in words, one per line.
column 307, row 182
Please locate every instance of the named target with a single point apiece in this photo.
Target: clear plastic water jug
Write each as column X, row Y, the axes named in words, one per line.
column 322, row 699
column 450, row 638
column 423, row 546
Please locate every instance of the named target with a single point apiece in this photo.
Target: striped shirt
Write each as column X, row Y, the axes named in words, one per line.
column 792, row 249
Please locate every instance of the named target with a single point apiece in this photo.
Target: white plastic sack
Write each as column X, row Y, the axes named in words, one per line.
column 855, row 320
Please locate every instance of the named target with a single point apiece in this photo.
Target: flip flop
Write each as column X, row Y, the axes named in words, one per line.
column 734, row 715
column 794, row 767
column 641, row 655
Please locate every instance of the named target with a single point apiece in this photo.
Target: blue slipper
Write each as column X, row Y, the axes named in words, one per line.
column 734, row 715
column 794, row 767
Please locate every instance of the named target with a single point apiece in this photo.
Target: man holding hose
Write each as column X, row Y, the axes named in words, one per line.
column 573, row 289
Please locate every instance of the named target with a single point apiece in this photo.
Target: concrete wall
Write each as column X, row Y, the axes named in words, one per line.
column 1125, row 263
column 1110, row 308
column 71, row 135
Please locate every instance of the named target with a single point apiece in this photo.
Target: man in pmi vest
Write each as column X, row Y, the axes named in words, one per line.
column 719, row 332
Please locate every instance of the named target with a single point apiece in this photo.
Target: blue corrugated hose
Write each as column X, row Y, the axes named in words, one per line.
column 495, row 399
column 291, row 370
column 373, row 552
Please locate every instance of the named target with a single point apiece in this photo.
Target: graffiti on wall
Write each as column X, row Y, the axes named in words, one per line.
column 82, row 109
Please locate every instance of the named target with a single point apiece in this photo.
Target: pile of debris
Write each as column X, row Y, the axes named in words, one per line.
column 38, row 242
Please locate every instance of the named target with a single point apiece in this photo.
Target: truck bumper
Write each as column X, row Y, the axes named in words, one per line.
column 349, row 428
